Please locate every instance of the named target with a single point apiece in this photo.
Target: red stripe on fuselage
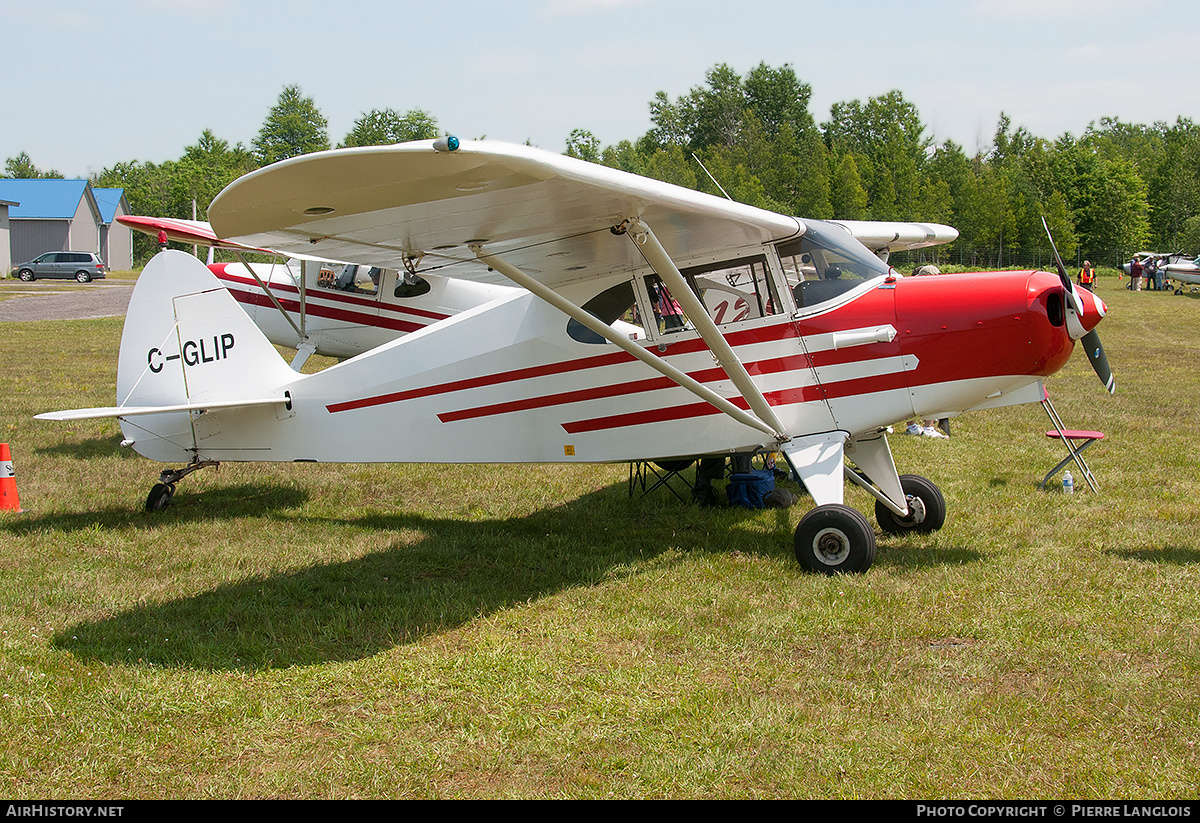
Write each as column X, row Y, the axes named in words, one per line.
column 945, row 325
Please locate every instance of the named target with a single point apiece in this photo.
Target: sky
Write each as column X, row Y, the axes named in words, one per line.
column 89, row 85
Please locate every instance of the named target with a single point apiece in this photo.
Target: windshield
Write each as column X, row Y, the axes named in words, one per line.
column 826, row 261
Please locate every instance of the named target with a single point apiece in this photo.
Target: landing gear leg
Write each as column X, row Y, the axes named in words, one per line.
column 160, row 496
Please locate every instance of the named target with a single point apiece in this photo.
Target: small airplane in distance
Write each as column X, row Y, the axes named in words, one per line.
column 341, row 309
column 822, row 348
column 1181, row 269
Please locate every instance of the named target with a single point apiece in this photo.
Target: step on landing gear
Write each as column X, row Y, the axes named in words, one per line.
column 160, row 496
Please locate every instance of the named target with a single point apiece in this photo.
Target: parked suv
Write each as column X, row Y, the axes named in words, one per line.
column 83, row 266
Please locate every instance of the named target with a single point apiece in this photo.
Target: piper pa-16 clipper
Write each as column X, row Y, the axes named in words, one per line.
column 650, row 322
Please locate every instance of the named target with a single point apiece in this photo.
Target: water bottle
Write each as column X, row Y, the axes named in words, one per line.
column 1068, row 483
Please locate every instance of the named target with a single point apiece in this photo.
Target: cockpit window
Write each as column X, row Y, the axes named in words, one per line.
column 826, row 262
column 351, row 278
column 411, row 285
column 734, row 290
column 609, row 306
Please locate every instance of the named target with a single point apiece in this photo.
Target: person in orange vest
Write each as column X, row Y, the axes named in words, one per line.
column 1087, row 276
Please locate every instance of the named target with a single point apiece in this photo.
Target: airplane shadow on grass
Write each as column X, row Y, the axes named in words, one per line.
column 455, row 571
column 90, row 448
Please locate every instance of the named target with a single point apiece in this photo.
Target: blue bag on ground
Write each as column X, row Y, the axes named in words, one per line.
column 747, row 489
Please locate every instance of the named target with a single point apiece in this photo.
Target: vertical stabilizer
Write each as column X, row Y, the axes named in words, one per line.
column 186, row 341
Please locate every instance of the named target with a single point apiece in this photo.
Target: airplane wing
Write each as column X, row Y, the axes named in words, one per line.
column 196, row 232
column 884, row 236
column 549, row 215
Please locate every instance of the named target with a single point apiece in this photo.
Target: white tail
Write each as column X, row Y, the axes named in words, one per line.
column 187, row 348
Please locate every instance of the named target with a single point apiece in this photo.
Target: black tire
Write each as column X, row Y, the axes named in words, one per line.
column 26, row 275
column 835, row 539
column 83, row 277
column 927, row 508
column 159, row 497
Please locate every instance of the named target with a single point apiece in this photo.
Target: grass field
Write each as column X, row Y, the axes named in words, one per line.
column 461, row 631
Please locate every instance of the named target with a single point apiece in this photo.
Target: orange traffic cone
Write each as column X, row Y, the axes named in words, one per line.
column 8, row 482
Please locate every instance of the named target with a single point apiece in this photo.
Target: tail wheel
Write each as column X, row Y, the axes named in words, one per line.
column 926, row 508
column 835, row 539
column 159, row 497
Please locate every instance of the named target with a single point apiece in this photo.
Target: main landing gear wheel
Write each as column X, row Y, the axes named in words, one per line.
column 159, row 497
column 926, row 508
column 834, row 539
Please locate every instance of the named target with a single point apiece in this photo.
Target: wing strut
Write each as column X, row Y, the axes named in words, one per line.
column 611, row 335
column 666, row 269
column 274, row 300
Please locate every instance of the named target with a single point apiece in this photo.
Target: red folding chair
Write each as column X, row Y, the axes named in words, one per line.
column 1069, row 438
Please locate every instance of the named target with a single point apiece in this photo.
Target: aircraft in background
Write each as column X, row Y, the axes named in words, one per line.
column 791, row 336
column 329, row 308
column 1182, row 269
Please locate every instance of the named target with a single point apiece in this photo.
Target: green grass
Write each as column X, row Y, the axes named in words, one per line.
column 485, row 631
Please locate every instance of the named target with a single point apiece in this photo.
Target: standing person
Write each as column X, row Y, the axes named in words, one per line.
column 1135, row 275
column 1150, row 274
column 1087, row 276
column 1159, row 273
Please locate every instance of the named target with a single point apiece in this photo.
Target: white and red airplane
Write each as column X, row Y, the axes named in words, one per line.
column 822, row 348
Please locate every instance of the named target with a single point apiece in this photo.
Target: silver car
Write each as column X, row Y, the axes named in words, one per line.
column 83, row 266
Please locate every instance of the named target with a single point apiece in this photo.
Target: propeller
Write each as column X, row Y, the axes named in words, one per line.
column 1091, row 340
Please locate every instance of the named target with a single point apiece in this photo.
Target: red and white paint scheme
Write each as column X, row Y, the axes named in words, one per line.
column 644, row 322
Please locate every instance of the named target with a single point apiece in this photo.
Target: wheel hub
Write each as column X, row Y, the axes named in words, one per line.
column 916, row 510
column 831, row 546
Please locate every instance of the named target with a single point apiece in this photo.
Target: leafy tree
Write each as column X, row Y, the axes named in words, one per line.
column 387, row 126
column 170, row 189
column 293, row 127
column 1062, row 227
column 886, row 135
column 850, row 199
column 22, row 167
column 1107, row 196
column 755, row 127
column 1174, row 187
column 1188, row 240
column 584, row 145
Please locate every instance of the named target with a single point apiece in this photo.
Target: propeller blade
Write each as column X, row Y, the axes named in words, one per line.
column 1068, row 286
column 1095, row 354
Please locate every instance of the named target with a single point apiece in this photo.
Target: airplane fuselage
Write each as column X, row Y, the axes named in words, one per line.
column 505, row 382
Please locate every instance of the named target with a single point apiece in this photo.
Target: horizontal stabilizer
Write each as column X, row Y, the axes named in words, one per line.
column 133, row 411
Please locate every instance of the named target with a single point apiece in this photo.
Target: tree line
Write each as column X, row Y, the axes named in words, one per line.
column 1116, row 189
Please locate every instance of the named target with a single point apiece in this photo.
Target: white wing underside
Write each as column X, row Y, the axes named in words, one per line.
column 549, row 215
